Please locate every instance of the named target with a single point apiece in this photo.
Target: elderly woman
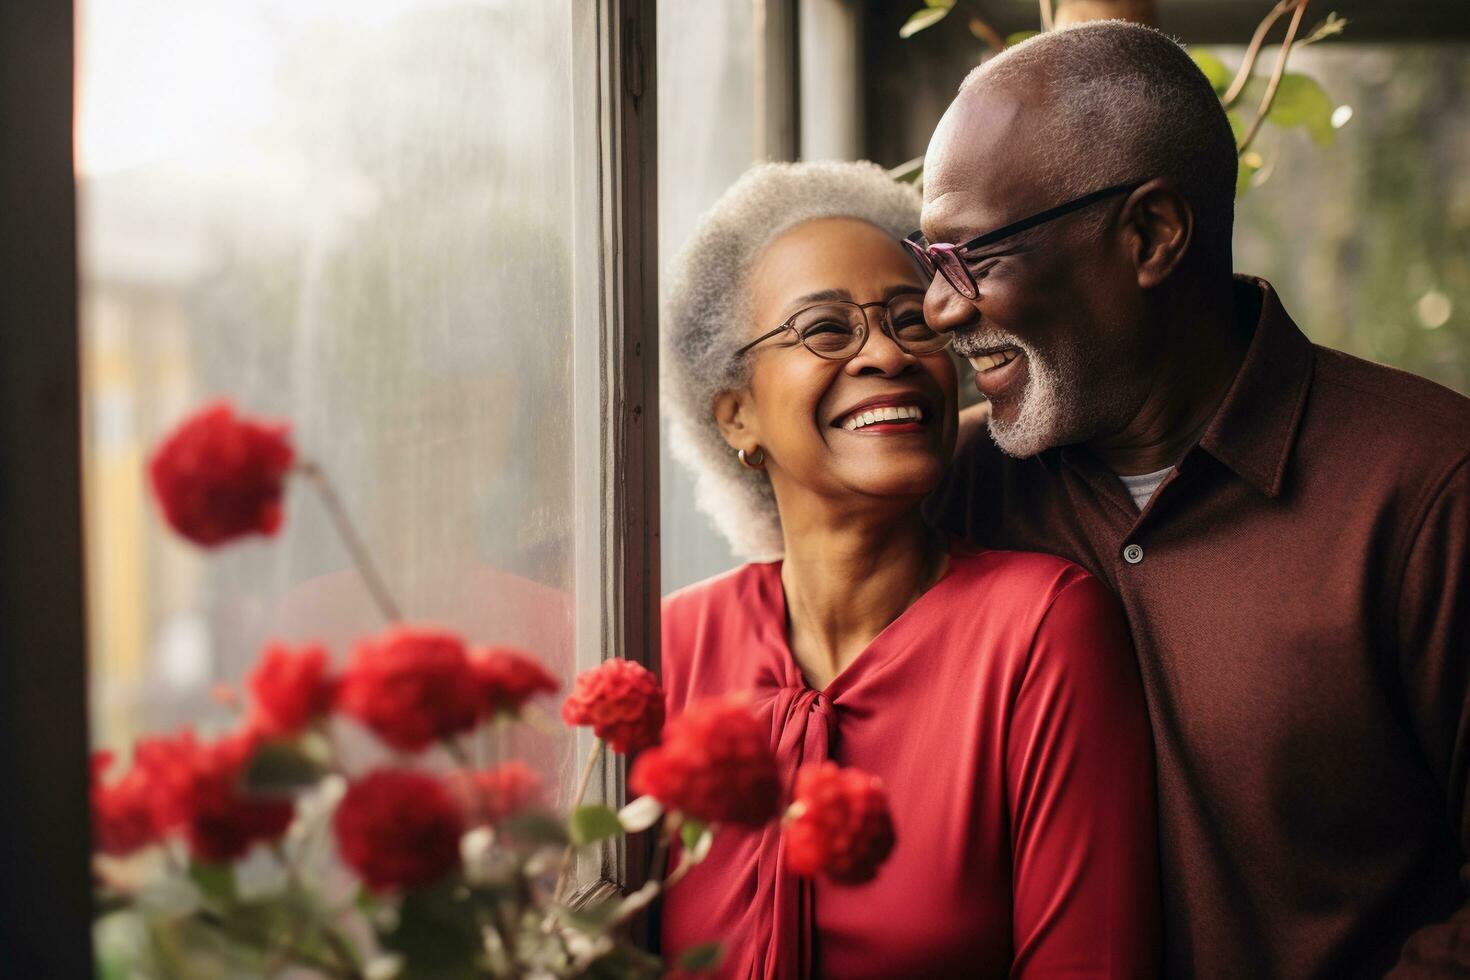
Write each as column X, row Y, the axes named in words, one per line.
column 994, row 693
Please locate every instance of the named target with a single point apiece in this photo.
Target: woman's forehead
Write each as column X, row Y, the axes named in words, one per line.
column 831, row 258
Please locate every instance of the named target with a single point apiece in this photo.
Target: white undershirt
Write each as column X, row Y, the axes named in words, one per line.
column 1141, row 488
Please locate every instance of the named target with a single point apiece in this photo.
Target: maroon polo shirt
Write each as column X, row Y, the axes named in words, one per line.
column 1298, row 591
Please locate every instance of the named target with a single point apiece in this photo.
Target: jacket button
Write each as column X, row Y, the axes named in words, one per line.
column 1133, row 554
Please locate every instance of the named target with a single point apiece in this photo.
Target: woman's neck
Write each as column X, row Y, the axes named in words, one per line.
column 847, row 579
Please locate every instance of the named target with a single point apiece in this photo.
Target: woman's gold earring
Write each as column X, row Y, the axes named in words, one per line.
column 753, row 461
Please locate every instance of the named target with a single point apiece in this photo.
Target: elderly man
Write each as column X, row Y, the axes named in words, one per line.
column 1288, row 527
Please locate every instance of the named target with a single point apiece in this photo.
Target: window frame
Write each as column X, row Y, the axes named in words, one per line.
column 615, row 377
column 45, row 913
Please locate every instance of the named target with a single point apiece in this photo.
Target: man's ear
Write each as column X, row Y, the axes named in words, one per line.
column 733, row 416
column 1162, row 223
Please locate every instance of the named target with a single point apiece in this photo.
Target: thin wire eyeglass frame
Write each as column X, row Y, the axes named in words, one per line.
column 885, row 324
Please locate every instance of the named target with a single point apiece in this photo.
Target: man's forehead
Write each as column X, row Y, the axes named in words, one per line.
column 980, row 166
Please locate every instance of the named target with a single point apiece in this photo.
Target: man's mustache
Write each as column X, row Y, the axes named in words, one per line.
column 979, row 340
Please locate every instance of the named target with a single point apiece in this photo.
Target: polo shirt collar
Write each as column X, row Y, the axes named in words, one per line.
column 1255, row 427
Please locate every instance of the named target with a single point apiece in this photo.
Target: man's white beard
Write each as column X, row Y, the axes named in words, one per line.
column 1042, row 417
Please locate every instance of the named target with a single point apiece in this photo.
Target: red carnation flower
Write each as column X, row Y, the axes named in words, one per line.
column 509, row 678
column 715, row 765
column 411, row 687
column 839, row 824
column 219, row 477
column 492, row 795
column 288, row 688
column 196, row 788
column 622, row 702
column 399, row 829
column 122, row 813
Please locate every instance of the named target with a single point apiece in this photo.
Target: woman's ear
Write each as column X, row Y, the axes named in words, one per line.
column 733, row 416
column 1162, row 223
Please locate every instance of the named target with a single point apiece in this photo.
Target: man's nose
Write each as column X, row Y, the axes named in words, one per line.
column 945, row 309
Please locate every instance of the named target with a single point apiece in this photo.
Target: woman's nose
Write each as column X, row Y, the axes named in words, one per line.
column 881, row 355
column 945, row 309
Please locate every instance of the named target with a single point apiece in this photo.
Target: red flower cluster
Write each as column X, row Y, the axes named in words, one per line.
column 840, row 824
column 288, row 688
column 715, row 765
column 411, row 687
column 122, row 813
column 508, row 678
column 492, row 795
column 195, row 788
column 399, row 829
column 622, row 702
column 220, row 477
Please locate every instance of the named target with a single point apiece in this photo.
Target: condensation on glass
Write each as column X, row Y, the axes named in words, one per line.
column 359, row 216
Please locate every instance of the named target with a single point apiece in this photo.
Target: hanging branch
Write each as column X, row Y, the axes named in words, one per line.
column 1248, row 65
column 981, row 29
column 351, row 539
column 1276, row 74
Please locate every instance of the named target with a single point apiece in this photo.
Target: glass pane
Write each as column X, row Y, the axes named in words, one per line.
column 1368, row 240
column 358, row 216
column 707, row 117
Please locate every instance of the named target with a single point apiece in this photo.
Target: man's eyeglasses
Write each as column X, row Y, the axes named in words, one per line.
column 838, row 330
column 950, row 260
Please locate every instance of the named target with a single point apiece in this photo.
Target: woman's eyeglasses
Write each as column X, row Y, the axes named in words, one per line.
column 838, row 330
column 950, row 260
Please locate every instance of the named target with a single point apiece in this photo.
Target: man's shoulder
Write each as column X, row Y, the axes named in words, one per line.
column 1387, row 410
column 1399, row 395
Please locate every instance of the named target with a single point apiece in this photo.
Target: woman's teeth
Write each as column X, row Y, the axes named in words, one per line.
column 889, row 413
column 991, row 361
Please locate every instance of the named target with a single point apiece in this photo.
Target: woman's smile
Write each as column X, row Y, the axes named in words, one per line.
column 896, row 413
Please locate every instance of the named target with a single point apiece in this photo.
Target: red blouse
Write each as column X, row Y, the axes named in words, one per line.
column 1004, row 713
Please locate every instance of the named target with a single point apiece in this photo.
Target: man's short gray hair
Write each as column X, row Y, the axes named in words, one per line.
column 1126, row 103
column 706, row 319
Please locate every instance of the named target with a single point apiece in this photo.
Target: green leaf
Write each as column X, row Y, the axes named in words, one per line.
column 624, row 962
column 946, row 4
column 593, row 822
column 1246, row 175
column 1237, row 125
column 1213, row 68
column 533, row 827
column 705, row 956
column 281, row 768
column 911, row 172
column 689, row 833
column 1301, row 101
column 216, row 882
column 365, row 902
column 436, row 935
column 1019, row 36
column 920, row 19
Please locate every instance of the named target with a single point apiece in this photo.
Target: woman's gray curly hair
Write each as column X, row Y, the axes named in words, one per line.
column 706, row 319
